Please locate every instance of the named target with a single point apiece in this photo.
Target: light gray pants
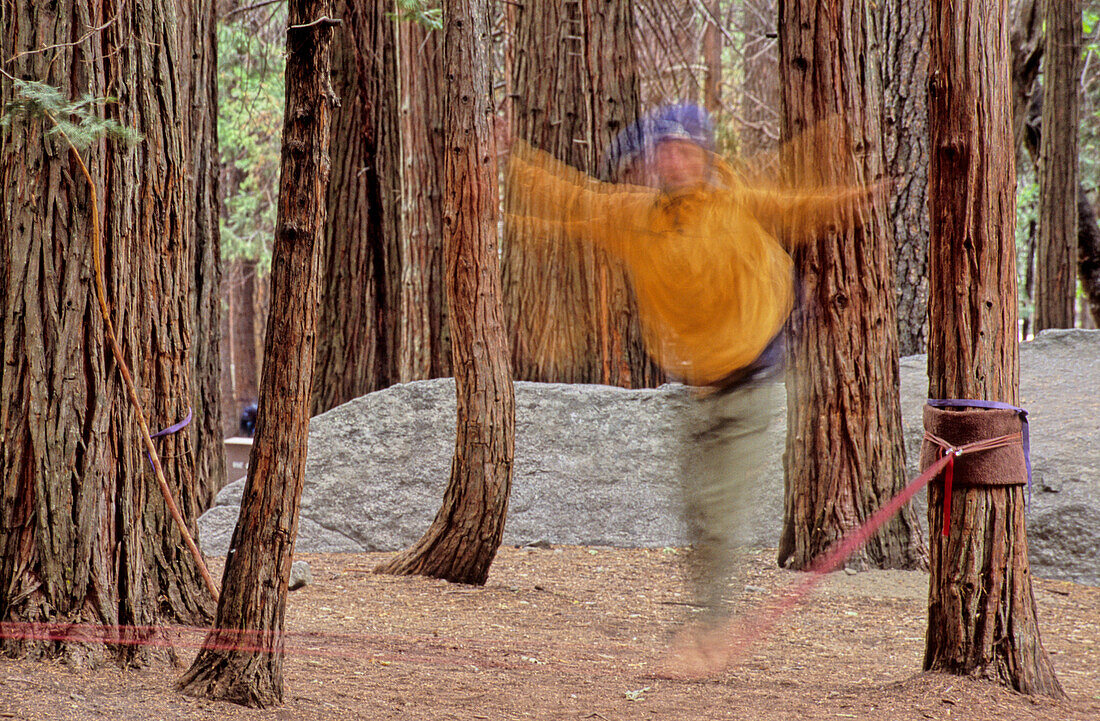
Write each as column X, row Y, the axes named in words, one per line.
column 723, row 457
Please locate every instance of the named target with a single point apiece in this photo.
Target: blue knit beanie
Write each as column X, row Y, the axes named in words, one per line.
column 684, row 121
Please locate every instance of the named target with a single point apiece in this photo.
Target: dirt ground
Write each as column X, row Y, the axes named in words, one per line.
column 572, row 633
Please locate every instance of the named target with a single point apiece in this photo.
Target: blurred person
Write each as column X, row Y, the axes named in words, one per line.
column 707, row 257
column 248, row 420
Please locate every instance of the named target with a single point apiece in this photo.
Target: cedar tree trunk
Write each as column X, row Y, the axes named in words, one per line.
column 905, row 81
column 463, row 539
column 423, row 336
column 845, row 452
column 569, row 308
column 1056, row 277
column 712, row 56
column 254, row 586
column 85, row 535
column 981, row 610
column 360, row 303
column 199, row 41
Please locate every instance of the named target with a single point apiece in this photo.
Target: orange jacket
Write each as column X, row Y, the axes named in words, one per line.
column 712, row 281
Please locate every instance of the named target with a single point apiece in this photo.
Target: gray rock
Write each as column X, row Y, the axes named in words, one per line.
column 300, row 575
column 217, row 524
column 598, row 466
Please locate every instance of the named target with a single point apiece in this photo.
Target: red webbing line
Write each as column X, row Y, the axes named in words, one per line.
column 756, row 626
column 949, row 451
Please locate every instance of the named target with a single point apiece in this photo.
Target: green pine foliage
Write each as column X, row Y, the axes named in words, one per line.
column 251, row 99
column 423, row 12
column 82, row 121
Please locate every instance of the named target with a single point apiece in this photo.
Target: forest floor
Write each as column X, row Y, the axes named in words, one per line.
column 574, row 633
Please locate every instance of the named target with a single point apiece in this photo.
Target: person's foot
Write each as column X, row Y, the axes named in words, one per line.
column 695, row 654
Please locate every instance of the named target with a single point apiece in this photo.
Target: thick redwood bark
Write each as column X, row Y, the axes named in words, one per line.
column 569, row 310
column 423, row 336
column 845, row 452
column 357, row 345
column 463, row 539
column 198, row 33
column 981, row 609
column 1056, row 276
column 905, row 39
column 242, row 658
column 85, row 535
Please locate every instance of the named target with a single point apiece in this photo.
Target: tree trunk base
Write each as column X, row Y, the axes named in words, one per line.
column 229, row 675
column 434, row 557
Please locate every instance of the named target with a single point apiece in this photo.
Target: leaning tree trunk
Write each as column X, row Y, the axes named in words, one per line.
column 463, row 539
column 845, row 452
column 85, row 535
column 1055, row 270
column 424, row 344
column 360, row 299
column 981, row 609
column 242, row 657
column 569, row 309
column 905, row 38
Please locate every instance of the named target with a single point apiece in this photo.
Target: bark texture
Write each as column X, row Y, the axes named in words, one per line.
column 198, row 30
column 981, row 609
column 845, row 453
column 242, row 659
column 569, row 309
column 905, row 90
column 1056, row 277
column 85, row 534
column 423, row 336
column 712, row 56
column 357, row 345
column 463, row 539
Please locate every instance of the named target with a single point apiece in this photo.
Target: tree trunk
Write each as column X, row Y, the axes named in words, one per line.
column 357, row 349
column 199, row 40
column 905, row 39
column 85, row 535
column 1056, row 277
column 424, row 340
column 1088, row 231
column 845, row 452
column 247, row 329
column 981, row 610
column 1088, row 253
column 1026, row 43
column 242, row 659
column 570, row 311
column 463, row 539
column 712, row 57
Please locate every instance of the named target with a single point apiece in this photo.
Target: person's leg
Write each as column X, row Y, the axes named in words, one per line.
column 722, row 465
column 723, row 457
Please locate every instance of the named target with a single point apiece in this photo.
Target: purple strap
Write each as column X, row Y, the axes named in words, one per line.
column 170, row 429
column 995, row 405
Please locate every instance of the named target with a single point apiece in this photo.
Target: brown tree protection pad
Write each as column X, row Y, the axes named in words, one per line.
column 1003, row 466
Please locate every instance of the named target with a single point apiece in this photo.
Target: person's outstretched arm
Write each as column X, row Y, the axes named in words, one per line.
column 546, row 198
column 798, row 216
